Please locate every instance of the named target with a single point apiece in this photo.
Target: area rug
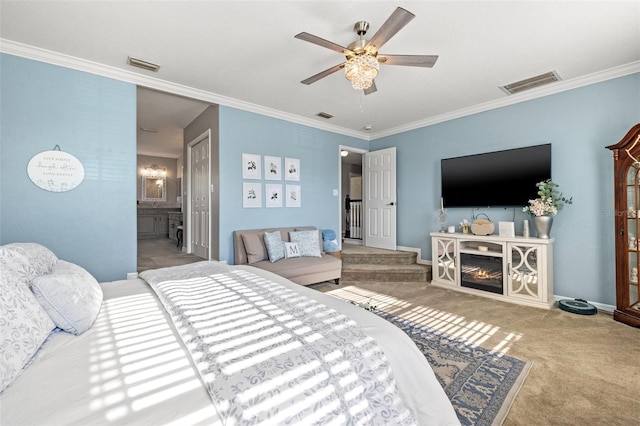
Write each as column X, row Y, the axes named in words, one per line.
column 481, row 384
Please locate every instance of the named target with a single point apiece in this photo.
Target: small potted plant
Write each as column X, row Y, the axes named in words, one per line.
column 543, row 208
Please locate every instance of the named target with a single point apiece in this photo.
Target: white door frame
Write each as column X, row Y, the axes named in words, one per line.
column 359, row 151
column 187, row 203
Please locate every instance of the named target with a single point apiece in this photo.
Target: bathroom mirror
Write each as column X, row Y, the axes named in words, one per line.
column 154, row 188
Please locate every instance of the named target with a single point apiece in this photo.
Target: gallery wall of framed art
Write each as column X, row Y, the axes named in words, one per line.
column 268, row 172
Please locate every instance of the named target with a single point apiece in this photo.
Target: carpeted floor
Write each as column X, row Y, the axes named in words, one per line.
column 586, row 369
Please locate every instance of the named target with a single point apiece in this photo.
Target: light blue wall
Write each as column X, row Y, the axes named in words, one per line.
column 319, row 154
column 93, row 118
column 578, row 123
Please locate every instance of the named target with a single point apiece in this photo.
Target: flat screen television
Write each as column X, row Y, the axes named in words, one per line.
column 495, row 179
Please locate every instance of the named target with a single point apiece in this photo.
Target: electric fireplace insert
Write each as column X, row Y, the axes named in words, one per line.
column 481, row 272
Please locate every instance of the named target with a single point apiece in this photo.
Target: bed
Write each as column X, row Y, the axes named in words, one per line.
column 213, row 344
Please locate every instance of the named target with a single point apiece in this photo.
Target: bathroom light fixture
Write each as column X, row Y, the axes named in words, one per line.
column 155, row 170
column 344, row 153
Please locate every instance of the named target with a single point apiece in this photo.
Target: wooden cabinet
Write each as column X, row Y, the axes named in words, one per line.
column 626, row 172
column 153, row 223
column 512, row 269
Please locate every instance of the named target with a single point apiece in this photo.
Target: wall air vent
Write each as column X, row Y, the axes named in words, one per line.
column 324, row 115
column 530, row 83
column 139, row 63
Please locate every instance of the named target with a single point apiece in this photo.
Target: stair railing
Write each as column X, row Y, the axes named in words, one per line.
column 355, row 219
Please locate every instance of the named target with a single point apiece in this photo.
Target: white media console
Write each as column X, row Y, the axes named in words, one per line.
column 512, row 269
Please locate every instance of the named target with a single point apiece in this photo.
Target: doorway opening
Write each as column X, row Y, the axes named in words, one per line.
column 161, row 120
column 351, row 208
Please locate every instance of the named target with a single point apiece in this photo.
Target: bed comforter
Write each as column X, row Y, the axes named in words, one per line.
column 231, row 344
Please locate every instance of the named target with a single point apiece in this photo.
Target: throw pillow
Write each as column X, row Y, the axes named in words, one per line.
column 70, row 295
column 329, row 241
column 291, row 250
column 27, row 260
column 308, row 242
column 24, row 326
column 275, row 248
column 255, row 248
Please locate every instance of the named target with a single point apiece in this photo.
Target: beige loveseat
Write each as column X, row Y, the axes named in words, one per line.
column 250, row 249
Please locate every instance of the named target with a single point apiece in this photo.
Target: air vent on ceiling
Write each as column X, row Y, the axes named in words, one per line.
column 134, row 62
column 324, row 115
column 530, row 83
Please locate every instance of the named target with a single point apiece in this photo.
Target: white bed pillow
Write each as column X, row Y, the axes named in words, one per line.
column 70, row 295
column 308, row 242
column 275, row 248
column 24, row 326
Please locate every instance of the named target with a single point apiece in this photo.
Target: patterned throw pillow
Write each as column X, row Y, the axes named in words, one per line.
column 308, row 242
column 275, row 248
column 291, row 250
column 27, row 260
column 24, row 325
column 70, row 295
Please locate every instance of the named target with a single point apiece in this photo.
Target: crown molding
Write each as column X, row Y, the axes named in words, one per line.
column 67, row 61
column 78, row 64
column 551, row 89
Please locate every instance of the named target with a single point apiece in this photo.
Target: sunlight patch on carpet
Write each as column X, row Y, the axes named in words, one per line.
column 472, row 331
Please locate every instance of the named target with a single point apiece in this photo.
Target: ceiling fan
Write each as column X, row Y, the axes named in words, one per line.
column 362, row 57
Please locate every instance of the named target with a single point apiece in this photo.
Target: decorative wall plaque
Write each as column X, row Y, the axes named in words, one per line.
column 55, row 171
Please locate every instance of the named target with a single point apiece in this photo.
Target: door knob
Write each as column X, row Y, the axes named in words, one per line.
column 391, row 204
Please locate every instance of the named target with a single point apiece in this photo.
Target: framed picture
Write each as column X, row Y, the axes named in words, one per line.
column 272, row 168
column 292, row 169
column 251, row 166
column 273, row 194
column 292, row 194
column 251, row 195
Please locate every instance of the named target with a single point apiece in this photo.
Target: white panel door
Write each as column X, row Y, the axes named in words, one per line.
column 380, row 198
column 200, row 199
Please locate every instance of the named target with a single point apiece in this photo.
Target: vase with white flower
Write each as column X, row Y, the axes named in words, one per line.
column 543, row 208
column 465, row 225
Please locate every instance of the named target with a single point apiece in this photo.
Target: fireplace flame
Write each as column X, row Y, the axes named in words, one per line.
column 482, row 274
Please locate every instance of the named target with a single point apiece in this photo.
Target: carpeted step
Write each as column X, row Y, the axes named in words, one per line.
column 386, row 273
column 379, row 257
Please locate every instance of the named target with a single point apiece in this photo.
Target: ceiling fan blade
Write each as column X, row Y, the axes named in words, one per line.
column 371, row 89
column 322, row 42
column 323, row 74
column 409, row 60
column 398, row 19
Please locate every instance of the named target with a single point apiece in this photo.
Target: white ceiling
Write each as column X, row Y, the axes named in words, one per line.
column 244, row 54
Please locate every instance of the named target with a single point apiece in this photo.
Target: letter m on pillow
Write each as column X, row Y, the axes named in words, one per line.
column 291, row 250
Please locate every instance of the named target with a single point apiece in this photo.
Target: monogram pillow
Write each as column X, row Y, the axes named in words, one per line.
column 291, row 250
